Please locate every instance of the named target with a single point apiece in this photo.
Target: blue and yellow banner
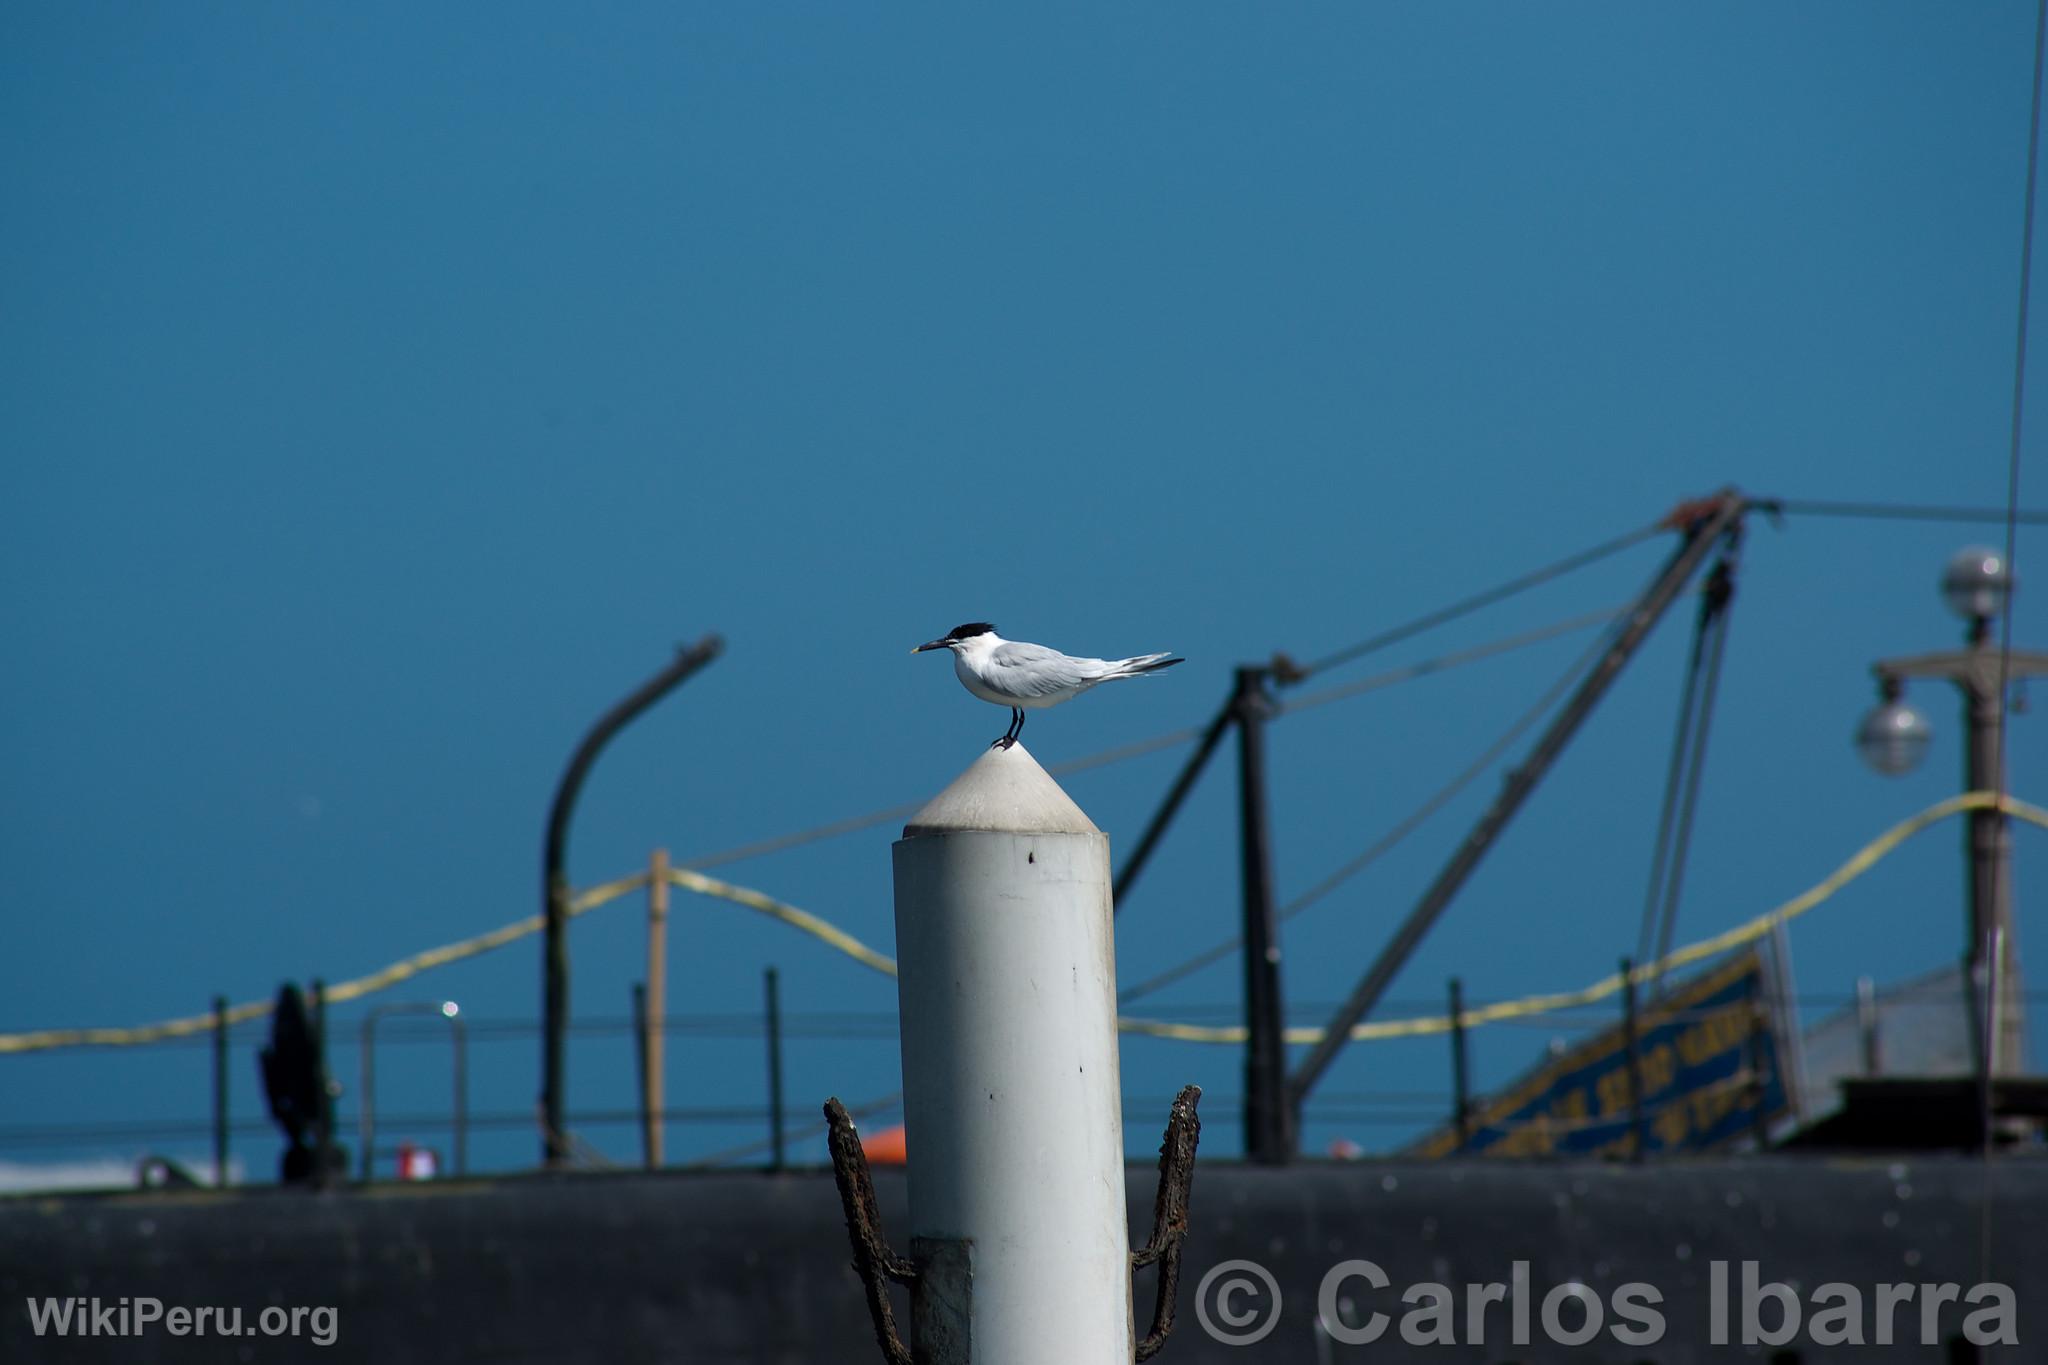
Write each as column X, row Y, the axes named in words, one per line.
column 1711, row 1068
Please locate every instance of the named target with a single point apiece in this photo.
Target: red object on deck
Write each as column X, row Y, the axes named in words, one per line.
column 417, row 1163
column 886, row 1148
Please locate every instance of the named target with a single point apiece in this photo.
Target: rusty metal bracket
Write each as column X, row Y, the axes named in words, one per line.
column 1170, row 1214
column 872, row 1259
column 877, row 1265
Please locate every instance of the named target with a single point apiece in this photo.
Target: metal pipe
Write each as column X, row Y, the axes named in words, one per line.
column 1007, row 989
column 555, row 887
column 1708, row 521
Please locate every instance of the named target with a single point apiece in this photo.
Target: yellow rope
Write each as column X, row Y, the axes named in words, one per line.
column 42, row 1039
column 341, row 991
column 788, row 914
column 590, row 899
column 1866, row 858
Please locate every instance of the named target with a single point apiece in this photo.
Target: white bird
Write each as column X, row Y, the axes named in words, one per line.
column 1018, row 675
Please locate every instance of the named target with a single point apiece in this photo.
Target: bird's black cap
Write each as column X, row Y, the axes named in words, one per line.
column 971, row 629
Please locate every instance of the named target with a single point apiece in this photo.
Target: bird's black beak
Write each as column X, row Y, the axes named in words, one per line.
column 929, row 644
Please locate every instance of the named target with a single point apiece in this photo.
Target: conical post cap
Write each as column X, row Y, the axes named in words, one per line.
column 1004, row 792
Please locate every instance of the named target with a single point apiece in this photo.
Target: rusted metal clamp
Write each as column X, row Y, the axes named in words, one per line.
column 1170, row 1214
column 877, row 1265
column 872, row 1258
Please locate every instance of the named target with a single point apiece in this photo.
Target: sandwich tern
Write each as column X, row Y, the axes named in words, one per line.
column 1018, row 675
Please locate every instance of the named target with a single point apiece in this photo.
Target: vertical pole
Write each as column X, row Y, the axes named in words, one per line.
column 657, row 1003
column 1268, row 1115
column 647, row 1138
column 461, row 1082
column 220, row 1092
column 1007, row 988
column 1867, row 1026
column 323, row 1128
column 1988, row 849
column 554, row 1145
column 772, row 985
column 1994, row 1003
column 1977, row 973
column 1461, row 1110
column 1973, row 1011
column 366, row 1098
column 1632, row 1043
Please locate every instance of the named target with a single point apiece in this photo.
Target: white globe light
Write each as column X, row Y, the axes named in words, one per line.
column 1893, row 738
column 1977, row 583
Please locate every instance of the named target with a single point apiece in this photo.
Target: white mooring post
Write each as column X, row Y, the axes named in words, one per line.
column 1011, row 1098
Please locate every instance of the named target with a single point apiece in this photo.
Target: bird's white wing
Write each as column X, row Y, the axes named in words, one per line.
column 1027, row 670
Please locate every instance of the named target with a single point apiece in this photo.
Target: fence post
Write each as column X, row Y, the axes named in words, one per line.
column 325, row 1166
column 653, row 1049
column 1461, row 1094
column 220, row 1092
column 773, row 986
column 647, row 1138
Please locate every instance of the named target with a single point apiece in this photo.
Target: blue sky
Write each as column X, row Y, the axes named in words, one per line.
column 390, row 388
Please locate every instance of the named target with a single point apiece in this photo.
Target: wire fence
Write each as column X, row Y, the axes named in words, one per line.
column 1377, row 1108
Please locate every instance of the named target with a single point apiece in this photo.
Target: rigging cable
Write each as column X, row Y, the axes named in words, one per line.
column 1688, row 759
column 853, row 824
column 1694, row 768
column 1285, row 673
column 1293, row 673
column 2012, row 520
column 1444, row 661
column 1386, row 842
column 1898, row 511
column 2013, row 515
column 1139, row 748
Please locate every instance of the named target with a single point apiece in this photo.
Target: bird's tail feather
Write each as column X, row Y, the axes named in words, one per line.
column 1142, row 663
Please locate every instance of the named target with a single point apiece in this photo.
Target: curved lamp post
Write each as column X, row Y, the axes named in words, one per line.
column 554, row 880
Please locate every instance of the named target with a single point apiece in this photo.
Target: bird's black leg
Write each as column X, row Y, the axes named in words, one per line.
column 1010, row 735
